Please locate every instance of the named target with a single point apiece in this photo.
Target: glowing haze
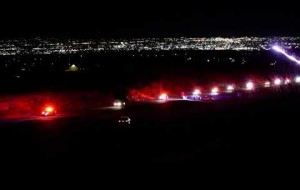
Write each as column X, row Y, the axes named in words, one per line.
column 280, row 50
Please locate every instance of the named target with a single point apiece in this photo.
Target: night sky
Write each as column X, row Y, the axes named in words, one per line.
column 152, row 19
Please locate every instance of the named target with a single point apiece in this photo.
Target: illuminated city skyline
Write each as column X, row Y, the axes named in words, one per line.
column 56, row 46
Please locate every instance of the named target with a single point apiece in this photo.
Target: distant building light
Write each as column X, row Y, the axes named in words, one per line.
column 73, row 68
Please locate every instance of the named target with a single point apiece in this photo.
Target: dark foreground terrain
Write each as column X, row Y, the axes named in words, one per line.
column 256, row 128
column 260, row 128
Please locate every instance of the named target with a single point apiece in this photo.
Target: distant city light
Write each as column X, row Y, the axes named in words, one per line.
column 73, row 68
column 278, row 49
column 277, row 81
column 49, row 46
column 249, row 86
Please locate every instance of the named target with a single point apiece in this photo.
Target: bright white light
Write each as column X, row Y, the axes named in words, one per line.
column 297, row 79
column 118, row 104
column 163, row 96
column 230, row 88
column 277, row 81
column 214, row 90
column 287, row 81
column 267, row 84
column 280, row 50
column 277, row 48
column 196, row 92
column 49, row 109
column 249, row 86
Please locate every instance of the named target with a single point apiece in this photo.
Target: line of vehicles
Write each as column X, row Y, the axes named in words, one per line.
column 218, row 92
